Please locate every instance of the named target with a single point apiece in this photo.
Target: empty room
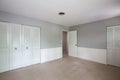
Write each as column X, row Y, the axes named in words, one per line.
column 59, row 39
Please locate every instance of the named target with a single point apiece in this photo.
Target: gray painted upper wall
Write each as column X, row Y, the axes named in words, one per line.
column 94, row 35
column 51, row 34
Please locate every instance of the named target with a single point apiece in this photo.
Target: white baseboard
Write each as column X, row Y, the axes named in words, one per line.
column 92, row 54
column 51, row 54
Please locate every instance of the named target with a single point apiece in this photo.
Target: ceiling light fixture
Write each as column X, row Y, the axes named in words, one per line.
column 61, row 13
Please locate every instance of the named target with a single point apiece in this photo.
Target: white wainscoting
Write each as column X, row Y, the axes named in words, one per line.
column 92, row 54
column 51, row 54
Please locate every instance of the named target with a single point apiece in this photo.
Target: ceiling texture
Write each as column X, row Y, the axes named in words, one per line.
column 76, row 11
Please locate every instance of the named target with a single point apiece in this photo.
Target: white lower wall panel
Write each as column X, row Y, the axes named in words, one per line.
column 92, row 54
column 51, row 54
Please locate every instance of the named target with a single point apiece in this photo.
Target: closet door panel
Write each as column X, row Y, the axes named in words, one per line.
column 36, row 45
column 26, row 46
column 15, row 40
column 110, row 42
column 117, row 46
column 4, row 47
column 113, row 45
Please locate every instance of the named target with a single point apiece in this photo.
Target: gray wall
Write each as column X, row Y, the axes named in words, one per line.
column 51, row 34
column 94, row 35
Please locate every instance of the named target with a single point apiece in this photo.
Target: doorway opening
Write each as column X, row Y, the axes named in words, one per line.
column 64, row 44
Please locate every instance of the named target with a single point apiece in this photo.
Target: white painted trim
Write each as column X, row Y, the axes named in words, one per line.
column 50, row 54
column 92, row 54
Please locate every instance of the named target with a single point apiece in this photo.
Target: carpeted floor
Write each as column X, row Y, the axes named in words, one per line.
column 68, row 68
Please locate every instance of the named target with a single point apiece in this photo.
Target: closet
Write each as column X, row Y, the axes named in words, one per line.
column 19, row 46
column 113, row 45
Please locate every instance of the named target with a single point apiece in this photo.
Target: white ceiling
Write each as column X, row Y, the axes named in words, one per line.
column 77, row 11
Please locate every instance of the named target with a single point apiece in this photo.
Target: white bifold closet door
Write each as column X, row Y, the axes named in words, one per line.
column 36, row 44
column 4, row 47
column 16, row 56
column 26, row 45
column 110, row 45
column 19, row 46
column 113, row 45
column 117, row 45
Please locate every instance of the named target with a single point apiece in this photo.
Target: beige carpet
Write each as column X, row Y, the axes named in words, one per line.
column 68, row 68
